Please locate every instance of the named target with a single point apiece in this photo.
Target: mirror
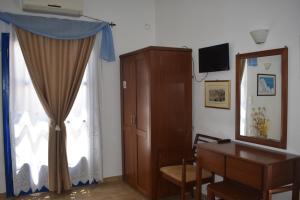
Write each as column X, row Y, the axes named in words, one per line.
column 261, row 97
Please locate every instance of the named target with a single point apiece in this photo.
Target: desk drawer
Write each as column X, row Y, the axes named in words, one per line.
column 244, row 172
column 211, row 161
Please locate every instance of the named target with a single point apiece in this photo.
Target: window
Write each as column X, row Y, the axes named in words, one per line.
column 29, row 127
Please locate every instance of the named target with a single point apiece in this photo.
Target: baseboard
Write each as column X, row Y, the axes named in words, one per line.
column 112, row 179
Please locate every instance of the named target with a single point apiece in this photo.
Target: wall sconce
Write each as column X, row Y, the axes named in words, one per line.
column 259, row 36
column 267, row 65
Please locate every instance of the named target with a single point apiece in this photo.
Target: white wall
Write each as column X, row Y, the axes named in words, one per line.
column 200, row 23
column 131, row 16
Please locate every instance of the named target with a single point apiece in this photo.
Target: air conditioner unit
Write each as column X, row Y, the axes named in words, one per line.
column 60, row 7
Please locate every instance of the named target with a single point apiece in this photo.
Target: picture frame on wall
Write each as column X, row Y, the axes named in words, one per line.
column 266, row 85
column 217, row 94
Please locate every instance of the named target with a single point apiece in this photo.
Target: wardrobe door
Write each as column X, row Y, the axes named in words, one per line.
column 142, row 125
column 129, row 129
column 172, row 99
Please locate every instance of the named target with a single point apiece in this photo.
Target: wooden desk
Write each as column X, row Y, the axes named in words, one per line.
column 259, row 168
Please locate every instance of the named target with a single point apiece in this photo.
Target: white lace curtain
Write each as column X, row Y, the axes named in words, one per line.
column 29, row 126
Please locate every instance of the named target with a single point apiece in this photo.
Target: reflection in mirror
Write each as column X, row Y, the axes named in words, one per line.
column 261, row 101
column 261, row 97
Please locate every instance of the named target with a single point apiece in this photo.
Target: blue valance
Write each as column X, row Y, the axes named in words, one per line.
column 65, row 29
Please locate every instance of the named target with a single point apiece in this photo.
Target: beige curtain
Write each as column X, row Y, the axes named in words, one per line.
column 56, row 68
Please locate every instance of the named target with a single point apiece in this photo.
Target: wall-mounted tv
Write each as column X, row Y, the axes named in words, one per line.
column 214, row 58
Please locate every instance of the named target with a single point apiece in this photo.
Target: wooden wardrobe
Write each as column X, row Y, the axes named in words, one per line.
column 156, row 91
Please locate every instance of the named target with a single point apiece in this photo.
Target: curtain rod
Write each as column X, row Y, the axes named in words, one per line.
column 112, row 24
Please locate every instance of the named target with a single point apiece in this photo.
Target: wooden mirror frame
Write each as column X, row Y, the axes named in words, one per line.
column 284, row 96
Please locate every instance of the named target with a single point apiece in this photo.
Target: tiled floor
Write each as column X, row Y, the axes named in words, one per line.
column 106, row 191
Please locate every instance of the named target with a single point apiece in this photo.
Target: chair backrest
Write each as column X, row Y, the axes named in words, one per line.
column 201, row 138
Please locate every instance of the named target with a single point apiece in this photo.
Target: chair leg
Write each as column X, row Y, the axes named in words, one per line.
column 192, row 192
column 295, row 192
column 210, row 195
column 267, row 195
column 183, row 191
column 157, row 188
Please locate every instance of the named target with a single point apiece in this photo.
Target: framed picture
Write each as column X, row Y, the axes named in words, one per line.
column 217, row 94
column 266, row 85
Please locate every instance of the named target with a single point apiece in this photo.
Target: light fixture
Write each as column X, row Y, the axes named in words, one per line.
column 267, row 65
column 259, row 36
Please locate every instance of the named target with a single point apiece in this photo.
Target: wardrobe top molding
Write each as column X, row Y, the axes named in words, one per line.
column 158, row 48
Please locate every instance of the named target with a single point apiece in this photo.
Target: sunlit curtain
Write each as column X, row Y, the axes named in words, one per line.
column 30, row 127
column 84, row 126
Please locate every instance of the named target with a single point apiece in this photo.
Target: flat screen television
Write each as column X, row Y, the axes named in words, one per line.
column 214, row 58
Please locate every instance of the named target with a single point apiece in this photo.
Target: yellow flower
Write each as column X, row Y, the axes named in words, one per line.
column 260, row 122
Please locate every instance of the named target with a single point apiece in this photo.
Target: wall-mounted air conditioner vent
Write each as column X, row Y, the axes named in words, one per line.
column 61, row 7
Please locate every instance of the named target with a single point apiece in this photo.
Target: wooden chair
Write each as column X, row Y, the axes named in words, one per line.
column 184, row 175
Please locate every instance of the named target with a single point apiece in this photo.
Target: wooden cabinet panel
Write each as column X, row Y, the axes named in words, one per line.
column 212, row 161
column 143, row 85
column 171, row 97
column 130, row 155
column 244, row 172
column 142, row 125
column 129, row 133
column 278, row 178
column 129, row 91
column 143, row 163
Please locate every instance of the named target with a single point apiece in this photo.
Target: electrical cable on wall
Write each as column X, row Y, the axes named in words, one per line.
column 194, row 76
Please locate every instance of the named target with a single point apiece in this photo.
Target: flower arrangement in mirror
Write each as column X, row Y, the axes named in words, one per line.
column 260, row 122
